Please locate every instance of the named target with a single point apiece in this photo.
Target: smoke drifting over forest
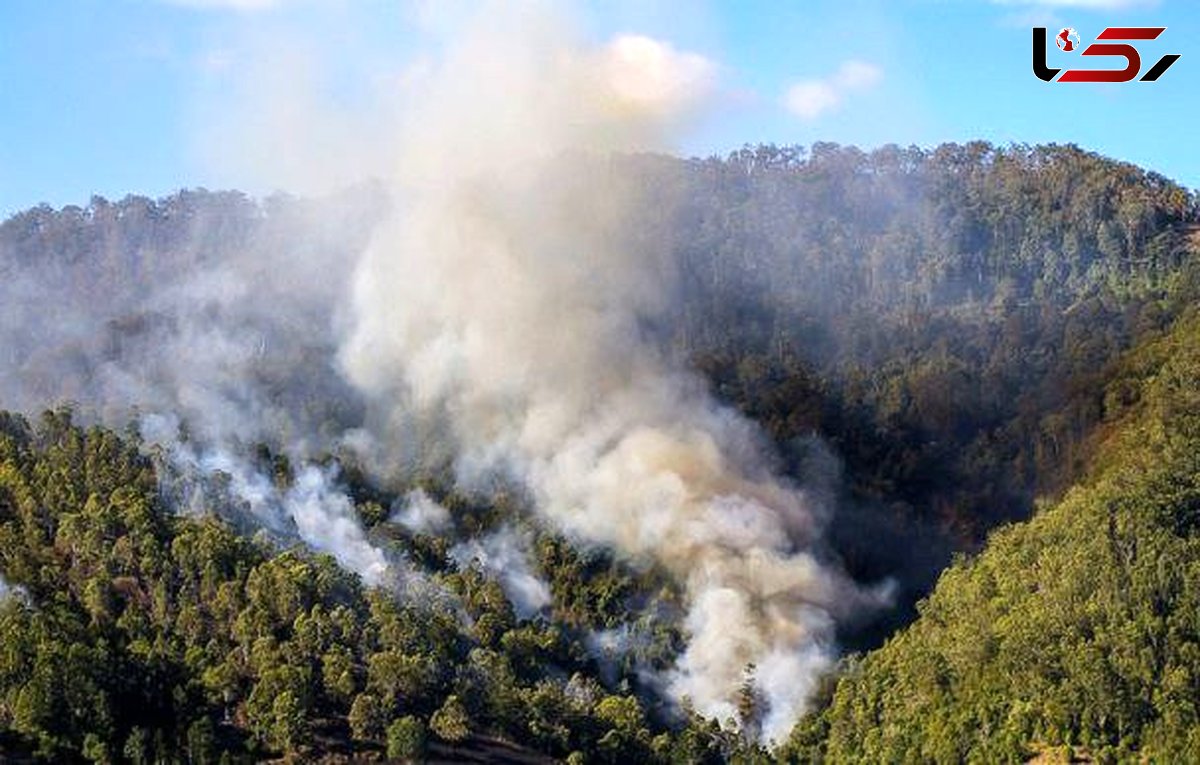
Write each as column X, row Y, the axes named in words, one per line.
column 498, row 319
column 501, row 308
column 520, row 436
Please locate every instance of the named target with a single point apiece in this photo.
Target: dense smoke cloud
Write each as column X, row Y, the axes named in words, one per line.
column 502, row 310
column 499, row 321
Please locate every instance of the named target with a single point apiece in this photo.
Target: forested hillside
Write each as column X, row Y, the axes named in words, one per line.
column 1078, row 630
column 931, row 340
column 129, row 632
column 945, row 319
column 964, row 301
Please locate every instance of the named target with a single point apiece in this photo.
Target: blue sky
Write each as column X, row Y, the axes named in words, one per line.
column 115, row 96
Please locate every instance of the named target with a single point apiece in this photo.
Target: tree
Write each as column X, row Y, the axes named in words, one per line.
column 394, row 677
column 137, row 746
column 95, row 748
column 451, row 722
column 289, row 728
column 750, row 705
column 1064, row 631
column 366, row 718
column 337, row 672
column 406, row 739
column 201, row 742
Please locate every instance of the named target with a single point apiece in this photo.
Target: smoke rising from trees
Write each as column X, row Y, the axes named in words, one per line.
column 499, row 319
column 502, row 309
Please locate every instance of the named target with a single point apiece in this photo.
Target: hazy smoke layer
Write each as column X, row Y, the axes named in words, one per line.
column 501, row 316
column 501, row 310
column 210, row 318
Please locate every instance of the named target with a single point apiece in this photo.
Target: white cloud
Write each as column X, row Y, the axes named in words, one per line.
column 809, row 99
column 858, row 74
column 652, row 74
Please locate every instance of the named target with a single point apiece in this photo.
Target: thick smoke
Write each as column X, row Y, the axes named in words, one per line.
column 502, row 318
column 502, row 310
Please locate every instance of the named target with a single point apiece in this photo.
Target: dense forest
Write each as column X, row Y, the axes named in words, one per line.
column 1077, row 632
column 986, row 351
column 137, row 634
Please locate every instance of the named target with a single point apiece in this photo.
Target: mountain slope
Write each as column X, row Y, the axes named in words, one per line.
column 932, row 338
column 1080, row 627
column 132, row 633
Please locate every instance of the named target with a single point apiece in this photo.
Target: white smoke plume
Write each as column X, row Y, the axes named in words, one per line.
column 501, row 309
column 312, row 507
column 325, row 518
column 504, row 554
column 8, row 592
column 420, row 514
column 499, row 316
